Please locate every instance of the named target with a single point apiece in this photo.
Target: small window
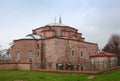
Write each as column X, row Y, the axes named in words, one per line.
column 38, row 54
column 30, row 54
column 89, row 53
column 81, row 54
column 92, row 61
column 37, row 46
column 95, row 52
column 73, row 52
column 58, row 32
column 101, row 61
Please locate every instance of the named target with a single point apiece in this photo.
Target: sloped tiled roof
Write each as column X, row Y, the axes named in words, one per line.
column 103, row 54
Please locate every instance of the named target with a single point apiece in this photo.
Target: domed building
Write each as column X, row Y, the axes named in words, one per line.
column 54, row 46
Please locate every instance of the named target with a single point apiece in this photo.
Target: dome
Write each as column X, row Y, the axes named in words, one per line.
column 55, row 24
column 31, row 36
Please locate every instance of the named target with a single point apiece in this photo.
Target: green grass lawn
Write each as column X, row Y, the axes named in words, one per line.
column 17, row 75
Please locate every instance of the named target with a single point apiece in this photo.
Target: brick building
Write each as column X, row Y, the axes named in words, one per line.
column 103, row 60
column 54, row 46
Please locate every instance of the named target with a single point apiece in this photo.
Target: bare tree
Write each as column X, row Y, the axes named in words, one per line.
column 0, row 47
column 113, row 45
column 0, row 50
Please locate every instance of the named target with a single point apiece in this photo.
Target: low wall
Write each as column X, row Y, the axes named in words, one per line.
column 24, row 66
column 27, row 66
column 8, row 66
column 15, row 66
column 75, row 72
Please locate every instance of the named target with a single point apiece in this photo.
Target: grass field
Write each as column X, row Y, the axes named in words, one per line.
column 17, row 75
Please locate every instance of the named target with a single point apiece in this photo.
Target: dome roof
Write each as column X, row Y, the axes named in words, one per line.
column 55, row 24
column 31, row 36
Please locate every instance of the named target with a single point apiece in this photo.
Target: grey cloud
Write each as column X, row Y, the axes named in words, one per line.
column 105, row 18
column 100, row 19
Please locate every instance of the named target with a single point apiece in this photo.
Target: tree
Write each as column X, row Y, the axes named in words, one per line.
column 0, row 50
column 113, row 45
column 0, row 47
column 4, row 54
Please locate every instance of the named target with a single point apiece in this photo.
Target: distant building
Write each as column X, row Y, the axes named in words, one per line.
column 54, row 46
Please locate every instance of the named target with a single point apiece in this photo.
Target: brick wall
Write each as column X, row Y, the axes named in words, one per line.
column 76, row 72
column 51, row 51
column 58, row 31
column 23, row 47
column 14, row 66
column 58, row 50
column 8, row 66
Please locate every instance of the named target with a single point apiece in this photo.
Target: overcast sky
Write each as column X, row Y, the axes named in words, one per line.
column 95, row 19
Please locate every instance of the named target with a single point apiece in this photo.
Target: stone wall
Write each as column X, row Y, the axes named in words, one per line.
column 15, row 66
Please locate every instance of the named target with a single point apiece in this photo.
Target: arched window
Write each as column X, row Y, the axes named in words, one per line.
column 92, row 61
column 101, row 61
column 89, row 53
column 73, row 52
column 58, row 32
column 30, row 54
column 38, row 54
column 17, row 57
column 37, row 46
column 81, row 54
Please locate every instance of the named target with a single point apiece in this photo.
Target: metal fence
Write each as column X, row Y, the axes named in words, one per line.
column 80, row 66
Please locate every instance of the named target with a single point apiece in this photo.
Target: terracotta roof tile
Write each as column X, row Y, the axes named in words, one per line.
column 103, row 54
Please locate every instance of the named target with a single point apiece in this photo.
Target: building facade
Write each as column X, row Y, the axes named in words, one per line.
column 54, row 46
